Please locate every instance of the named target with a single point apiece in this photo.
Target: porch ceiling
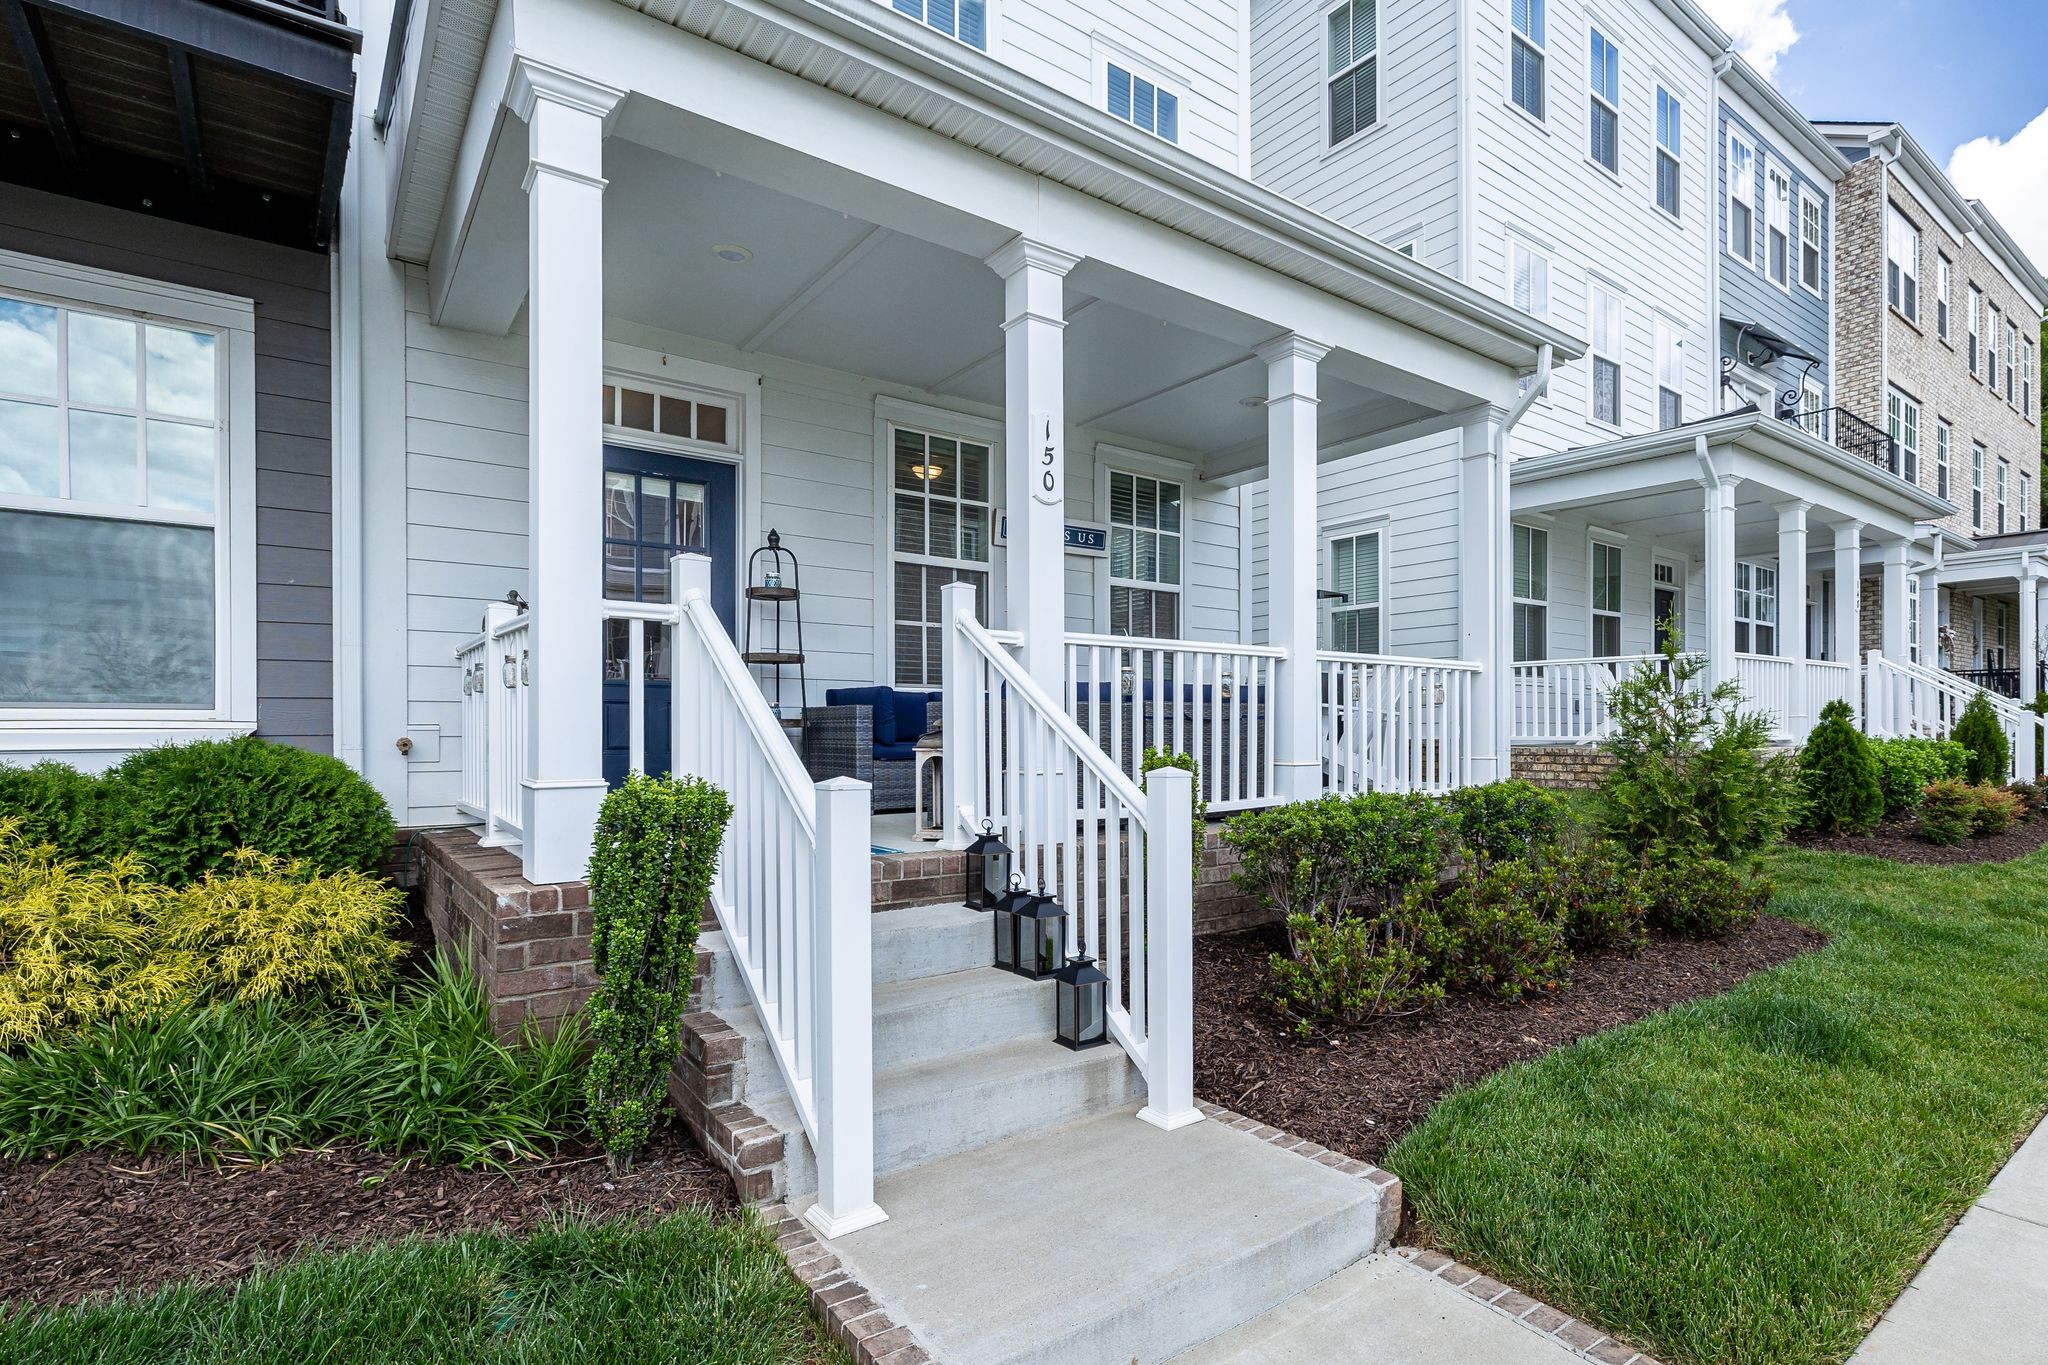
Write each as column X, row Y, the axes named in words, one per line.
column 1674, row 519
column 827, row 287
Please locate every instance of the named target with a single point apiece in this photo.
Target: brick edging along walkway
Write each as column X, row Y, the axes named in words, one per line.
column 1587, row 1342
column 850, row 1314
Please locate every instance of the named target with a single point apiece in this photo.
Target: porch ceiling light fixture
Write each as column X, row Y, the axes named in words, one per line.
column 732, row 253
column 988, row 868
column 927, row 472
column 1251, row 400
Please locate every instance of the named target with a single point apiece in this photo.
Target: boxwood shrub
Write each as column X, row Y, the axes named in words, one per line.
column 1906, row 765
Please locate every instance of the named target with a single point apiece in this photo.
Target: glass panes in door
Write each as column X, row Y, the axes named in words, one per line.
column 940, row 513
column 647, row 519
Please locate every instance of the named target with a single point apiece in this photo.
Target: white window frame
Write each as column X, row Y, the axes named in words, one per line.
column 2004, row 486
column 1115, row 463
column 1913, row 618
column 1944, row 438
column 2027, row 375
column 1597, row 544
column 1330, row 78
column 1944, row 279
column 1536, row 39
column 1742, row 191
column 1540, row 604
column 76, row 729
column 1977, row 456
column 1669, row 358
column 1672, row 151
column 1750, row 588
column 1902, row 264
column 1808, row 200
column 2026, row 499
column 1138, row 72
column 1813, row 406
column 2012, row 346
column 1598, row 290
column 1902, row 424
column 1992, row 317
column 1376, row 532
column 892, row 414
column 1598, row 100
column 1778, row 224
column 1539, row 275
column 919, row 11
column 1976, row 334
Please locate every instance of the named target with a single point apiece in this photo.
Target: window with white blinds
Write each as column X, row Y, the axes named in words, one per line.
column 1811, row 228
column 1353, row 33
column 1526, row 56
column 1532, row 593
column 966, row 20
column 1670, row 148
column 1604, row 106
column 1778, row 226
column 1355, row 575
column 1902, row 263
column 940, row 509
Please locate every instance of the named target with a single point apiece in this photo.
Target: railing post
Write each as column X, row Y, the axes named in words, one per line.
column 688, row 575
column 843, row 1019
column 960, row 782
column 497, row 701
column 1169, row 930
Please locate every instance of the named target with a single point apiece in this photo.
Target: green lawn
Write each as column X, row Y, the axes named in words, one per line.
column 684, row 1289
column 1754, row 1177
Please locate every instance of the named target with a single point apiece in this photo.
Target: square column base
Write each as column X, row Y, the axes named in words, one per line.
column 560, row 819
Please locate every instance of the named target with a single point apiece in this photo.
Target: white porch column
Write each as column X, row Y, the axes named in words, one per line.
column 1792, row 613
column 1485, row 588
column 1296, row 718
column 2030, row 628
column 564, row 779
column 1892, row 638
column 1720, row 546
column 1930, row 615
column 1849, row 592
column 1035, row 448
column 2031, row 681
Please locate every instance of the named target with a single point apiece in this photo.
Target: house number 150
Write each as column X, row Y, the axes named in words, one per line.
column 1048, row 472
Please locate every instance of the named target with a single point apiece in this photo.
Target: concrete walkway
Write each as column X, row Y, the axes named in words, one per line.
column 1983, row 1296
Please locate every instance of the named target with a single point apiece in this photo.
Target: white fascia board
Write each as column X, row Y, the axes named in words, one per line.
column 2019, row 269
column 1822, row 160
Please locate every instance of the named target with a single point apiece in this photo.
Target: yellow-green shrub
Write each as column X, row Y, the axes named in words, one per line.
column 275, row 931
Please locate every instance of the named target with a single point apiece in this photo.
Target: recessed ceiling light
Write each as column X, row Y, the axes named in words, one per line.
column 732, row 253
column 1251, row 401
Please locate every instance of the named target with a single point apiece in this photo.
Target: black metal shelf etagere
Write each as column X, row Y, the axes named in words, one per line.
column 774, row 590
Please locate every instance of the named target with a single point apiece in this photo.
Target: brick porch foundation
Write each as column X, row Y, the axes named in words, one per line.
column 1564, row 767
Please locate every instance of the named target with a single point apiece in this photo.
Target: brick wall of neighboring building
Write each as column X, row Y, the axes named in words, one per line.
column 1564, row 767
column 1877, row 348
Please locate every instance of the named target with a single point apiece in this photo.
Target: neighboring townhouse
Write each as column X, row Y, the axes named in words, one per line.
column 1937, row 324
column 168, row 208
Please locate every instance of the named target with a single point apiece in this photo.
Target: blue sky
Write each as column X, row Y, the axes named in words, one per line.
column 1953, row 71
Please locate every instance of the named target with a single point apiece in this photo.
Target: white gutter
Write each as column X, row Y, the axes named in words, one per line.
column 1544, row 356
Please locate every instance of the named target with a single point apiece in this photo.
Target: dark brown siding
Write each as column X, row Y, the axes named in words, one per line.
column 294, row 447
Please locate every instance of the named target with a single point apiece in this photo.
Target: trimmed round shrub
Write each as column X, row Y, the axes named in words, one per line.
column 1978, row 731
column 1906, row 765
column 1838, row 775
column 1704, row 897
column 51, row 803
column 185, row 809
column 1948, row 811
column 1503, row 820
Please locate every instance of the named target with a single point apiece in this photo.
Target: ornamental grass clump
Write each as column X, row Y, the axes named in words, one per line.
column 1838, row 775
column 656, row 846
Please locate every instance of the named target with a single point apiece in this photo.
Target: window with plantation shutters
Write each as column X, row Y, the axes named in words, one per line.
column 1526, row 57
column 1670, row 148
column 966, row 20
column 939, row 535
column 1741, row 199
column 1604, row 116
column 1356, row 620
column 1144, row 556
column 1353, row 31
column 1143, row 104
column 1605, row 307
column 1532, row 593
column 1606, row 586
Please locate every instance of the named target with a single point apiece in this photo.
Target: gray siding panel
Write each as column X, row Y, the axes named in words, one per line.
column 1797, row 314
column 294, row 489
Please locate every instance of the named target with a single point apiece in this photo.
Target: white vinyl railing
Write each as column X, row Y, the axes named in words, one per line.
column 1119, row 859
column 1768, row 683
column 495, row 677
column 1564, row 701
column 1901, row 698
column 1395, row 724
column 1184, row 696
column 792, row 893
column 1827, row 680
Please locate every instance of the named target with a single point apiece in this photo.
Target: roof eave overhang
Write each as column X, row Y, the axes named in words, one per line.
column 1786, row 121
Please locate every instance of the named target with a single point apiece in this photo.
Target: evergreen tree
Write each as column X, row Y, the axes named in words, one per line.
column 1838, row 775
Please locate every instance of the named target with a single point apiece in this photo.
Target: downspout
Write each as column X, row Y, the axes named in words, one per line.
column 1717, row 195
column 1468, row 173
column 394, row 65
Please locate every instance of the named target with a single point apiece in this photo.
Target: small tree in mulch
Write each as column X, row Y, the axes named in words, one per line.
column 1978, row 731
column 1838, row 775
column 656, row 846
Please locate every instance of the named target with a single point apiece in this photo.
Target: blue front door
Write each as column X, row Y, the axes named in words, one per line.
column 656, row 506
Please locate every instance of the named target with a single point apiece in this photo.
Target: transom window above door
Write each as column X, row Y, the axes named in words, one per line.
column 1144, row 556
column 686, row 417
column 940, row 509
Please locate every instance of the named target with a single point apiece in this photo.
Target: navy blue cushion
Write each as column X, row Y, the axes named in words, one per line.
column 893, row 753
column 883, row 699
column 910, row 715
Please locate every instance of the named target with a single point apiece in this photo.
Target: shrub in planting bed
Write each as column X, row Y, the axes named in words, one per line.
column 1703, row 898
column 1978, row 731
column 1906, row 765
column 1839, row 779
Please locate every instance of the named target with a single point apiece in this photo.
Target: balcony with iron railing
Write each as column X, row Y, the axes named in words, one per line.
column 1846, row 431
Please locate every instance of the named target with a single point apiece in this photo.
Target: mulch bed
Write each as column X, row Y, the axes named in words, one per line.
column 1900, row 840
column 100, row 1221
column 1358, row 1090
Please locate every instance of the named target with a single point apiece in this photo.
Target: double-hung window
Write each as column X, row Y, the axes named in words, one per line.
column 1976, row 485
column 2004, row 471
column 1670, row 376
column 1670, row 151
column 941, row 509
column 1353, row 29
column 2026, row 376
column 1944, row 275
column 1741, row 199
column 1811, row 220
column 1778, row 219
column 1143, row 104
column 1976, row 329
column 1603, row 80
column 1991, row 333
column 1902, row 424
column 1528, row 278
column 1901, row 263
column 126, row 453
column 2026, row 502
column 1813, row 406
column 1532, row 593
column 966, row 20
column 1606, row 357
column 1144, row 555
column 2012, row 352
column 1913, row 618
column 1756, row 608
column 1944, row 435
column 1360, row 610
column 1526, row 57
column 1606, row 600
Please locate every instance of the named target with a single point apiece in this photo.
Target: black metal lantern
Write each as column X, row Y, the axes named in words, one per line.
column 1082, row 1018
column 988, row 869
column 1040, row 929
column 1006, row 907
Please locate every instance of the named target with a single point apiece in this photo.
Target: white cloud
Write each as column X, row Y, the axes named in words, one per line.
column 2011, row 176
column 1762, row 30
